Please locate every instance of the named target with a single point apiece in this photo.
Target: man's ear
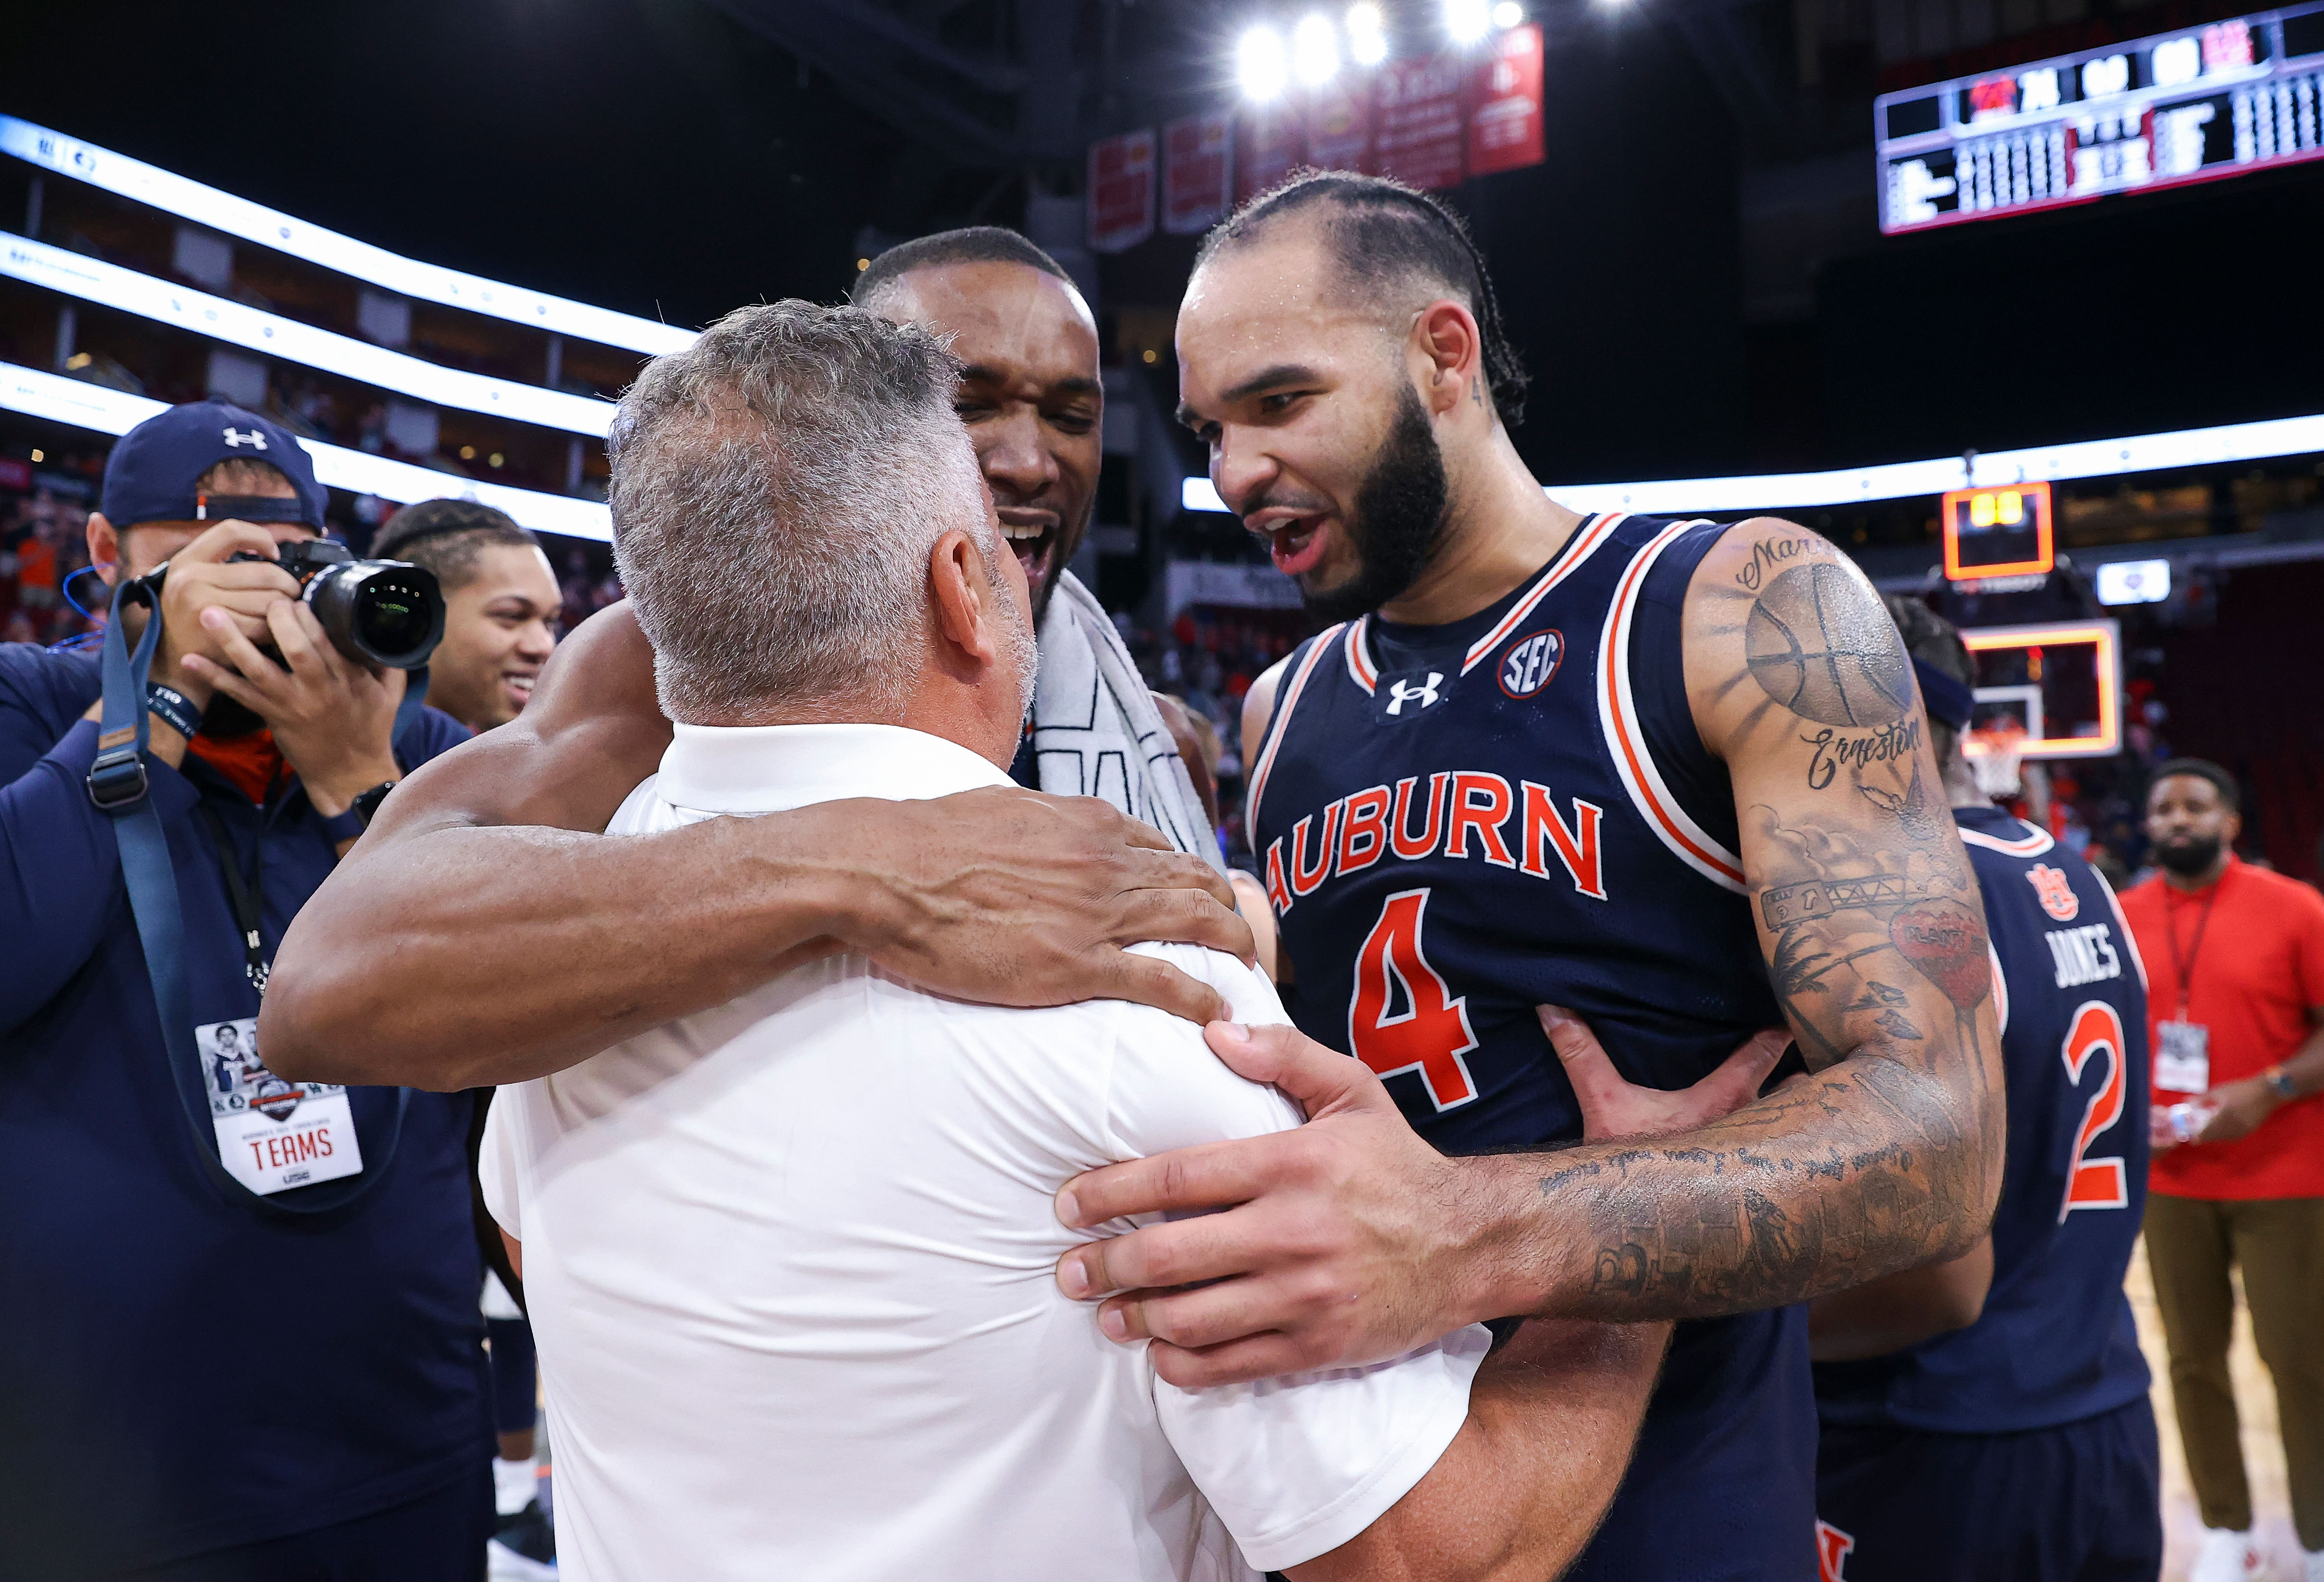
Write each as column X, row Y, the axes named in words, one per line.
column 104, row 548
column 965, row 617
column 1447, row 339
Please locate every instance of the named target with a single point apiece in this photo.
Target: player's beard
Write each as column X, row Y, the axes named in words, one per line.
column 2189, row 857
column 1398, row 519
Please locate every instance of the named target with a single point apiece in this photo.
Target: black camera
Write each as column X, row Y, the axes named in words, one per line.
column 375, row 612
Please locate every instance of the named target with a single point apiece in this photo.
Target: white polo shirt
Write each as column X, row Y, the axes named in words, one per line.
column 791, row 1266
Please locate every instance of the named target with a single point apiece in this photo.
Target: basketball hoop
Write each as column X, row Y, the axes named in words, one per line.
column 1994, row 756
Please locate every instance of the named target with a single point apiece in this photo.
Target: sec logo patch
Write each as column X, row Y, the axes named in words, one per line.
column 1528, row 666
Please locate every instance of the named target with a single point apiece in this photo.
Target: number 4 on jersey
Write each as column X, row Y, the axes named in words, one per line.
column 2095, row 1183
column 1429, row 1032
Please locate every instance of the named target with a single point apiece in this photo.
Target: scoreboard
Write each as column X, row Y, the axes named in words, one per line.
column 2000, row 531
column 2216, row 99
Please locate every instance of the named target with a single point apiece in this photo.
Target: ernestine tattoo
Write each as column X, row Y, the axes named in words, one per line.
column 1835, row 750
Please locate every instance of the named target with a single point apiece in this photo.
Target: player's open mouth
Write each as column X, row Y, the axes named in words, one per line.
column 1298, row 543
column 1033, row 534
column 520, row 685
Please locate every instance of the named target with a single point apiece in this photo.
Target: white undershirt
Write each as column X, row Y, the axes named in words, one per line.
column 790, row 1267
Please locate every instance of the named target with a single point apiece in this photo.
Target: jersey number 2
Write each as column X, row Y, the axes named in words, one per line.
column 2095, row 1183
column 1429, row 1032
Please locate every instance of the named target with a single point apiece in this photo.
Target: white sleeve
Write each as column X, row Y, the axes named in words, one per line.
column 1297, row 1466
column 1294, row 1467
column 496, row 1166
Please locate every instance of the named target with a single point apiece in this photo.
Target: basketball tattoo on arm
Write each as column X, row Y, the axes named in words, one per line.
column 1888, row 1153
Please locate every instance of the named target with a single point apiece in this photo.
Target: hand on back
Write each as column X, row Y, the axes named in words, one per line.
column 1009, row 897
column 1612, row 1106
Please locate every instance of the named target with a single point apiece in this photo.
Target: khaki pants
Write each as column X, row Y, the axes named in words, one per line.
column 2192, row 1243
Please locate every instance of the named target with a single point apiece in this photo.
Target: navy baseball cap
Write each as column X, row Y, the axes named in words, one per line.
column 152, row 472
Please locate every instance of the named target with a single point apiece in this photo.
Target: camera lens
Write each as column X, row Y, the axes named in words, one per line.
column 393, row 615
column 379, row 611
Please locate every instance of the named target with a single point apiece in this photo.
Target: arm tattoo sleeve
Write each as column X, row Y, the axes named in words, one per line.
column 1888, row 1153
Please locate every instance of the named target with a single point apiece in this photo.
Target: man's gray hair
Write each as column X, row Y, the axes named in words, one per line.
column 778, row 488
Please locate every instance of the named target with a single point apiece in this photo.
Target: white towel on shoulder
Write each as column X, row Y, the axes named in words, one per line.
column 1096, row 732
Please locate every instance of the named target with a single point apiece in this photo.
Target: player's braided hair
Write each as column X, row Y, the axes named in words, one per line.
column 448, row 537
column 1381, row 231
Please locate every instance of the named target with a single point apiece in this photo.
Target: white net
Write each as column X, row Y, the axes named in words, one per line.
column 1995, row 758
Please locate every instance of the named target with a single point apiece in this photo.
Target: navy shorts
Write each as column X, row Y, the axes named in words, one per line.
column 2080, row 1503
column 437, row 1538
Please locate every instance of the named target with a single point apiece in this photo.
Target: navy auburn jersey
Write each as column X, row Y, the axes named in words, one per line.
column 2056, row 1342
column 1458, row 823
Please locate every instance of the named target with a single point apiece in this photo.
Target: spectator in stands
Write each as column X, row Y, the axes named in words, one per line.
column 36, row 561
column 337, row 1435
column 502, row 604
column 2236, row 961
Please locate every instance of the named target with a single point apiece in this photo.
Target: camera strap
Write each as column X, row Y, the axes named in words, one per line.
column 120, row 786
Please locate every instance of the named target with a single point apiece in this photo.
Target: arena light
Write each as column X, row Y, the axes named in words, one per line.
column 1905, row 480
column 92, row 280
column 252, row 222
column 57, row 399
column 1508, row 14
column 1314, row 50
column 1262, row 65
column 110, row 285
column 1467, row 20
column 1367, row 35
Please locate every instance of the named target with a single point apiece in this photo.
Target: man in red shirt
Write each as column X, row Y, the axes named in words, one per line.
column 2235, row 955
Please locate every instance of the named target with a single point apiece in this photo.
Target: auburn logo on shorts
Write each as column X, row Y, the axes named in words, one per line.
column 1833, row 1549
column 2056, row 895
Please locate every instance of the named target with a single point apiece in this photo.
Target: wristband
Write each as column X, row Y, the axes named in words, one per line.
column 2280, row 1080
column 174, row 708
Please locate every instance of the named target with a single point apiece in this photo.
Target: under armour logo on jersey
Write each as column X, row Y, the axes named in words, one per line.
column 1400, row 694
column 2057, row 896
column 235, row 440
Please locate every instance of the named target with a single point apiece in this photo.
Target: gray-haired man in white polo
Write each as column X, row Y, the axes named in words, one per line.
column 790, row 1261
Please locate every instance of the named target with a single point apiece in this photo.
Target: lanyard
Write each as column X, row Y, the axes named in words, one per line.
column 2185, row 969
column 121, row 786
column 245, row 899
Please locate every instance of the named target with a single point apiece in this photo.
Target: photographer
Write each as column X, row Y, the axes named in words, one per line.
column 338, row 1432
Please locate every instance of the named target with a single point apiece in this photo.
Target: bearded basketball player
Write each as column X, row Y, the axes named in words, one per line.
column 1670, row 777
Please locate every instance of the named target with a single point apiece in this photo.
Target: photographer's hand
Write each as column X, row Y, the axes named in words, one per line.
column 334, row 719
column 203, row 578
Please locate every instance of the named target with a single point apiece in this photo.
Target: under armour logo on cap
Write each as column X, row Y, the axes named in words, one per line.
column 1399, row 695
column 155, row 472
